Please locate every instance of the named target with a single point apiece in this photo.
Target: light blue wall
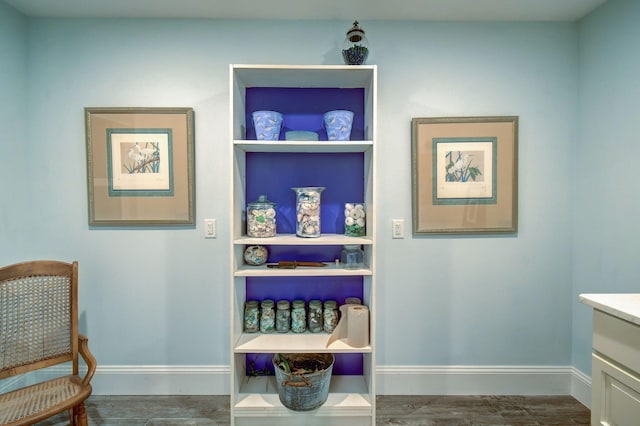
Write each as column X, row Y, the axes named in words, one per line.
column 478, row 300
column 15, row 146
column 160, row 296
column 606, row 205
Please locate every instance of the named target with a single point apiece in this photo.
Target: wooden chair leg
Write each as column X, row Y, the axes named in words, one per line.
column 80, row 415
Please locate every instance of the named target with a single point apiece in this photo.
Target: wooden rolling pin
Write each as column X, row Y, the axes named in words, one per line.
column 292, row 264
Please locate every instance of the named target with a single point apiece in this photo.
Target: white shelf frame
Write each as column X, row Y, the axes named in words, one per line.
column 254, row 399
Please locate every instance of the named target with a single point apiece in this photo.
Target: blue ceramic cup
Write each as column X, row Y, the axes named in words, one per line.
column 338, row 124
column 267, row 125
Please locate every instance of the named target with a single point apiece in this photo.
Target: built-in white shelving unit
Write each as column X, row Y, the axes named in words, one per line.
column 301, row 90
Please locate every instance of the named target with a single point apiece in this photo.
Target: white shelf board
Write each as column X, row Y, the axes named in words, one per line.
column 293, row 342
column 293, row 240
column 303, row 146
column 331, row 76
column 348, row 396
column 331, row 270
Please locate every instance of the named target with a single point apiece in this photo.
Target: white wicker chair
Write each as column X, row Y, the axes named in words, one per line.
column 39, row 329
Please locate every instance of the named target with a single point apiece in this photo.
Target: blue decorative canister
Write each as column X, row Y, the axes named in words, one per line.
column 338, row 124
column 267, row 125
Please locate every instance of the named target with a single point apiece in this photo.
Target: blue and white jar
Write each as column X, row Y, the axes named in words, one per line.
column 338, row 124
column 267, row 125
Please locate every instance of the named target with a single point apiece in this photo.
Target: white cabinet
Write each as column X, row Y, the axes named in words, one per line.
column 615, row 383
column 302, row 93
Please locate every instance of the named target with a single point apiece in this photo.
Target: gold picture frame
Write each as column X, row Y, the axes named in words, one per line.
column 465, row 175
column 140, row 166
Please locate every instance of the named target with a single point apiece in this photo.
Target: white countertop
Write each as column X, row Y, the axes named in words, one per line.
column 625, row 306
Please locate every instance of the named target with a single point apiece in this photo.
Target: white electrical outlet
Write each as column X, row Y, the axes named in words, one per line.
column 397, row 228
column 210, row 228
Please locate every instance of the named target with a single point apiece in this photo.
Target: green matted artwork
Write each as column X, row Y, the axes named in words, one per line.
column 140, row 166
column 464, row 175
column 140, row 162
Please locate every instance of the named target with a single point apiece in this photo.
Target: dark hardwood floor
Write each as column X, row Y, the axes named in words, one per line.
column 391, row 410
column 481, row 410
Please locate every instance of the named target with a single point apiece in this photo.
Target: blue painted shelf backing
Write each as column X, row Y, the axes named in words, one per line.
column 344, row 364
column 304, row 108
column 274, row 174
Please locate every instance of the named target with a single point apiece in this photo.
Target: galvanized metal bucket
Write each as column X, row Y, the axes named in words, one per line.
column 302, row 392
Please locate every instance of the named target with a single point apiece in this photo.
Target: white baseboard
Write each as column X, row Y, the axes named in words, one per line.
column 391, row 380
column 581, row 387
column 474, row 380
column 161, row 380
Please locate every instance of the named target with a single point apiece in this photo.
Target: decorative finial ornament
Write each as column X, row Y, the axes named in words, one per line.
column 356, row 46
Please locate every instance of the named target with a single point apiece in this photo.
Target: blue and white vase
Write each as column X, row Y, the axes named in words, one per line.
column 267, row 125
column 338, row 124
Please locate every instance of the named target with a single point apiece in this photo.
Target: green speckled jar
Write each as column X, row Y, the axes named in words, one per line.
column 283, row 316
column 298, row 316
column 315, row 316
column 330, row 317
column 267, row 317
column 251, row 317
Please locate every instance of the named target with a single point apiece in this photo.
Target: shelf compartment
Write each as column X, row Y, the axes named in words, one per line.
column 327, row 254
column 348, row 397
column 304, row 287
column 293, row 343
column 342, row 175
column 303, row 108
column 303, row 94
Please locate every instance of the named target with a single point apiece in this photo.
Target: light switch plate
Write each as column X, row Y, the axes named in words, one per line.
column 397, row 228
column 210, row 228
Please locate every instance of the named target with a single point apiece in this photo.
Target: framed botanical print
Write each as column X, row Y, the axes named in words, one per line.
column 464, row 175
column 140, row 166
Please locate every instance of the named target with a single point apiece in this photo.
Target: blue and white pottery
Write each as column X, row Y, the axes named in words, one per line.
column 338, row 124
column 267, row 125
